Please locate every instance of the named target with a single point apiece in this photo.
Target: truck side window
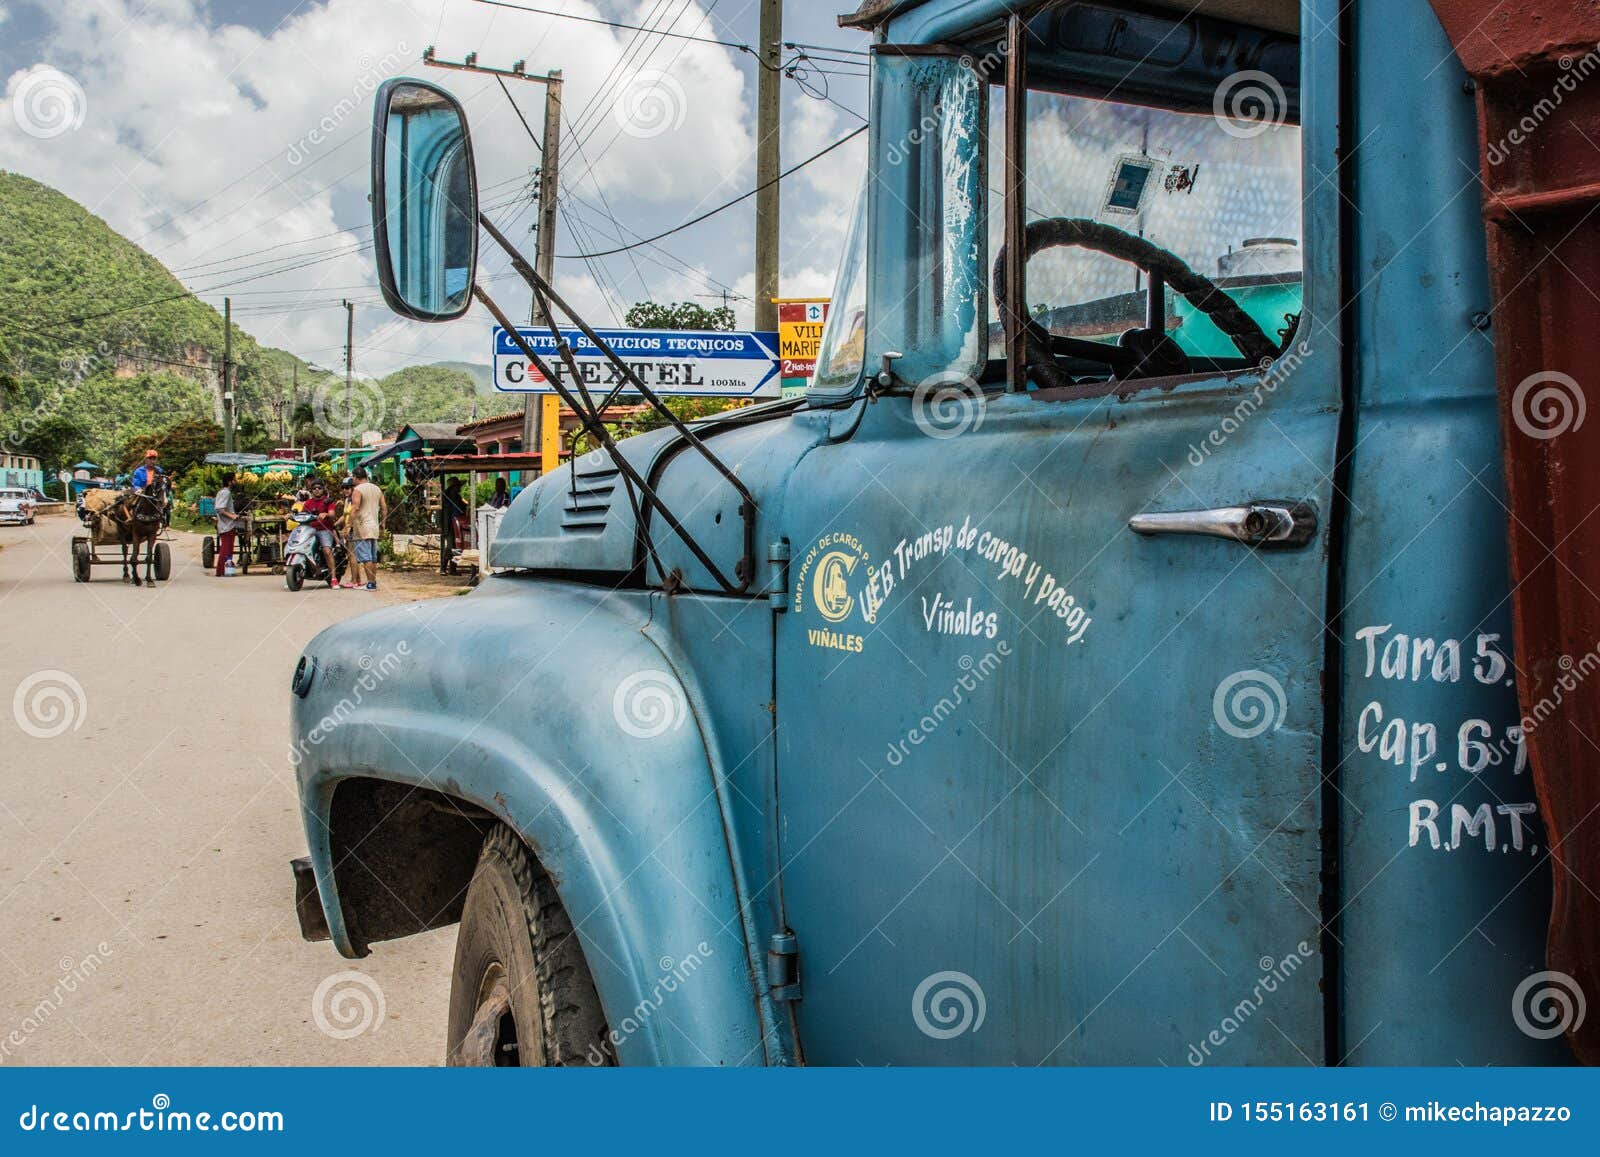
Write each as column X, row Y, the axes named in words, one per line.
column 1131, row 167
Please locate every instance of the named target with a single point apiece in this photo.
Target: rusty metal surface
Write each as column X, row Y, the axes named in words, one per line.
column 1539, row 125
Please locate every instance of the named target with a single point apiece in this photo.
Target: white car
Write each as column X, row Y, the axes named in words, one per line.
column 16, row 505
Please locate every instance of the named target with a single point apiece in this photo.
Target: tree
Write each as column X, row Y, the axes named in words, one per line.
column 679, row 315
column 181, row 446
column 251, row 435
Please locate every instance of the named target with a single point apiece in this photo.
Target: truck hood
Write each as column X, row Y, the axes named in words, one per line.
column 579, row 519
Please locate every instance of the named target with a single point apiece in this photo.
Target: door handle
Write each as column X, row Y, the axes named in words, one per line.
column 1269, row 524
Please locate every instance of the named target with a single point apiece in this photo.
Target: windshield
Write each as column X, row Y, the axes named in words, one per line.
column 844, row 336
column 912, row 289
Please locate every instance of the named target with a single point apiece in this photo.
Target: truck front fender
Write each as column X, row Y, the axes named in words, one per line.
column 547, row 706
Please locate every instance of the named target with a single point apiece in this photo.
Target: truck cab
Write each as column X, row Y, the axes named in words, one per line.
column 1108, row 661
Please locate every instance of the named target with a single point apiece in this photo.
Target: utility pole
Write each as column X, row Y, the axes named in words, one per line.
column 294, row 400
column 349, row 343
column 769, row 113
column 227, row 374
column 541, row 413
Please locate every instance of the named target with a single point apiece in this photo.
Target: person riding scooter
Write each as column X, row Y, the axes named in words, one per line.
column 313, row 551
column 323, row 507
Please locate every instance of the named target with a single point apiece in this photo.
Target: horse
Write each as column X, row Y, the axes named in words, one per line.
column 138, row 517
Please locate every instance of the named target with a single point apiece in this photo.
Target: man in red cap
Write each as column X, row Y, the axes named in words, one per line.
column 150, row 474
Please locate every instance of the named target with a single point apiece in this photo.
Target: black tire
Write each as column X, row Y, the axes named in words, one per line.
column 294, row 576
column 163, row 562
column 208, row 552
column 521, row 993
column 80, row 562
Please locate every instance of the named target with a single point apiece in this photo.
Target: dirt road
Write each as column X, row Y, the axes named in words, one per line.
column 147, row 820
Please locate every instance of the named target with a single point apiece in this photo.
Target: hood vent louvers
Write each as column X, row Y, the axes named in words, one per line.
column 587, row 502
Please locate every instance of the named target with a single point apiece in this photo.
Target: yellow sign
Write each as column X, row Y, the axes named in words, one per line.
column 800, row 322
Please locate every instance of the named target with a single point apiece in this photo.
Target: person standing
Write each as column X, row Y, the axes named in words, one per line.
column 452, row 514
column 501, row 498
column 369, row 511
column 227, row 523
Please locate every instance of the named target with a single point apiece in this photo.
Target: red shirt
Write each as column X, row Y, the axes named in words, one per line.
column 322, row 508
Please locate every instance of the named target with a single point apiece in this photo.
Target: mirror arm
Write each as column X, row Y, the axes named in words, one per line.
column 592, row 420
column 745, row 571
column 603, row 436
column 545, row 289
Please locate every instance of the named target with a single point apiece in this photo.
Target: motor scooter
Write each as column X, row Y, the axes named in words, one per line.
column 303, row 558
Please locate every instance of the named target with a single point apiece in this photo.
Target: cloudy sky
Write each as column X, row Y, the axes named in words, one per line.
column 220, row 136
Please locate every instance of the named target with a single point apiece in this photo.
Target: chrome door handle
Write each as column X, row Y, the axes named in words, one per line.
column 1266, row 523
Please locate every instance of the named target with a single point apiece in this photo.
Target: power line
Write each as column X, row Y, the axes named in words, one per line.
column 632, row 28
column 176, row 269
column 679, row 266
column 582, row 121
column 573, row 222
column 725, row 205
column 826, row 47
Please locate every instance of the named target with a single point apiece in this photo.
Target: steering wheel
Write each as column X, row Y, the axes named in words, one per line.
column 1139, row 351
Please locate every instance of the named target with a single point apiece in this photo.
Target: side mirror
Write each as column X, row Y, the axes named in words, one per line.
column 424, row 201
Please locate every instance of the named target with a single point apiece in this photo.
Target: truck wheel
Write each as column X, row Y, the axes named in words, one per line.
column 208, row 552
column 294, row 576
column 521, row 994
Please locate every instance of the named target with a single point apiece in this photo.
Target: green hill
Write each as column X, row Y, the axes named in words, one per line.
column 482, row 373
column 100, row 345
column 436, row 393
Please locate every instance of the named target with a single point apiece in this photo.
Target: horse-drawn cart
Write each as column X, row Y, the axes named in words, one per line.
column 85, row 555
column 98, row 509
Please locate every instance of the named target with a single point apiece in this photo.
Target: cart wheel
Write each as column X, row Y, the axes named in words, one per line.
column 294, row 576
column 80, row 562
column 208, row 552
column 163, row 562
column 244, row 564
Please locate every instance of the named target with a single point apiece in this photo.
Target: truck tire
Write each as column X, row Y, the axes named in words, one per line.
column 521, row 993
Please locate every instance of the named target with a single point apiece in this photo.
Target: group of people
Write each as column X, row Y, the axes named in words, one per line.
column 357, row 515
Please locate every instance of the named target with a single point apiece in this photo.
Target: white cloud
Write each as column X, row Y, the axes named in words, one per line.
column 208, row 144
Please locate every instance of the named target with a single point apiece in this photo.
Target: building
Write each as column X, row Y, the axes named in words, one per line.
column 17, row 469
column 418, row 440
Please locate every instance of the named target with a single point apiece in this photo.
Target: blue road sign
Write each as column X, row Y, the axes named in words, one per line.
column 680, row 362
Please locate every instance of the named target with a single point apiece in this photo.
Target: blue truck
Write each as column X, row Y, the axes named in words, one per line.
column 1108, row 661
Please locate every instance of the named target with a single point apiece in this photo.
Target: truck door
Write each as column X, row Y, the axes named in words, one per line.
column 1050, row 787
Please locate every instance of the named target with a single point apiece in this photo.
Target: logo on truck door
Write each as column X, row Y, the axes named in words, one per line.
column 831, row 580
